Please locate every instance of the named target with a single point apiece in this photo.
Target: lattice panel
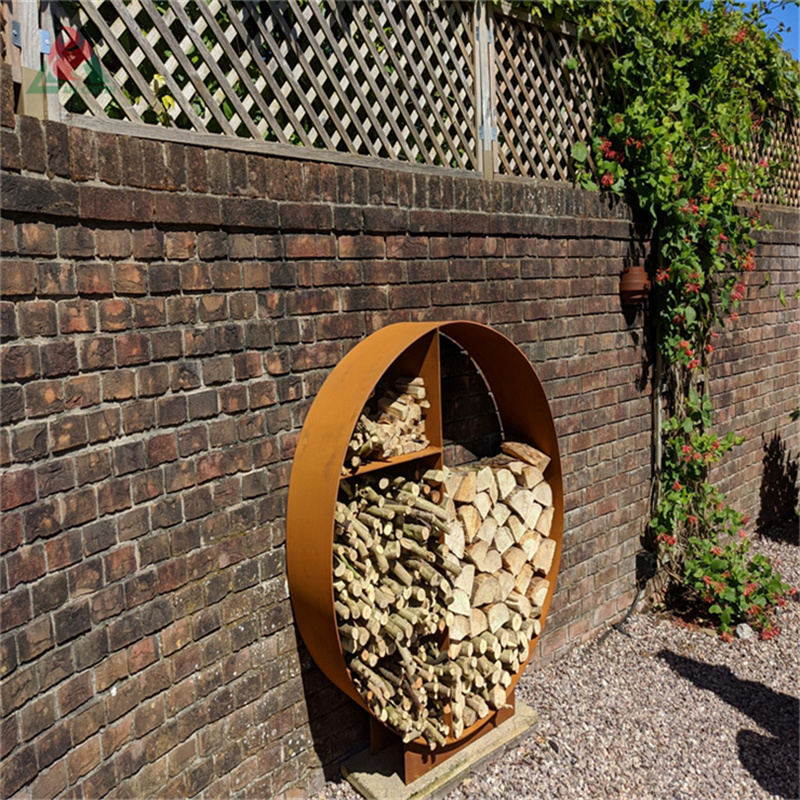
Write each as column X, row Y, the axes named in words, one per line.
column 542, row 107
column 384, row 78
column 784, row 148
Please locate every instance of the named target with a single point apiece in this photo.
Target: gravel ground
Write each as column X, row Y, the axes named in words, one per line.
column 664, row 712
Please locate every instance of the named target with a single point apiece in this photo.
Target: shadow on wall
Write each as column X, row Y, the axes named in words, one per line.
column 339, row 727
column 771, row 758
column 779, row 492
column 470, row 425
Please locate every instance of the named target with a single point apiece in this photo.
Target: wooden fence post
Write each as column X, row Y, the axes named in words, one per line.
column 485, row 95
column 27, row 39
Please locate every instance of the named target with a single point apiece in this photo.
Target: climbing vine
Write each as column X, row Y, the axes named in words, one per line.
column 690, row 107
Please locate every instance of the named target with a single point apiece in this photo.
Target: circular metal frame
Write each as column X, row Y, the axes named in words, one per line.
column 524, row 414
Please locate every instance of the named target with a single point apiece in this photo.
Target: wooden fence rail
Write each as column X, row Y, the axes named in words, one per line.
column 463, row 85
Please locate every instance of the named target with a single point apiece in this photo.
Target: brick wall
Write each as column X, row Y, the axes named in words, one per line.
column 168, row 314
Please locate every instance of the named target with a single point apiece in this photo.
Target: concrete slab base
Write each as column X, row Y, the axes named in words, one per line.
column 377, row 777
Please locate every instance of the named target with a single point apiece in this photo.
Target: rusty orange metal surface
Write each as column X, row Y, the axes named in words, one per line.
column 406, row 348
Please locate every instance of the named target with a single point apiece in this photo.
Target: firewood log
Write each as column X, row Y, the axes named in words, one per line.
column 545, row 521
column 467, row 489
column 455, row 539
column 523, row 579
column 543, row 494
column 543, row 559
column 487, row 530
column 525, row 452
column 513, row 559
column 503, row 540
column 483, row 504
column 486, row 590
column 506, row 582
column 478, row 623
column 500, row 513
column 530, row 544
column 537, row 591
column 496, row 616
column 471, row 521
column 520, row 501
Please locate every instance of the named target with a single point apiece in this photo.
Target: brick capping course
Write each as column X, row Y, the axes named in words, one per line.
column 167, row 317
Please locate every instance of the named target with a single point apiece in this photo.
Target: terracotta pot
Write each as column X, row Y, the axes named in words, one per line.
column 634, row 286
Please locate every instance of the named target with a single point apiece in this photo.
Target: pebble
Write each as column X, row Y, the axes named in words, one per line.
column 745, row 632
column 662, row 713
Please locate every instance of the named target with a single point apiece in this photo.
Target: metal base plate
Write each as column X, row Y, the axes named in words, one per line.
column 377, row 777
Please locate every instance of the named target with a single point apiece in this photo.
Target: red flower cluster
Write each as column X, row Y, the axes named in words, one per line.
column 668, row 540
column 692, row 519
column 740, row 36
column 726, row 637
column 749, row 263
column 723, row 168
column 662, row 275
column 607, row 180
column 691, row 207
column 716, row 550
column 677, row 486
column 631, row 142
column 772, row 632
column 686, row 347
column 749, row 588
column 738, row 291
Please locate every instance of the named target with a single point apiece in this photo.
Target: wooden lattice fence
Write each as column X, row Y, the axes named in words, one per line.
column 441, row 83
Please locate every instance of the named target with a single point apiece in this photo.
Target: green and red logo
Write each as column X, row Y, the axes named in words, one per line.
column 71, row 60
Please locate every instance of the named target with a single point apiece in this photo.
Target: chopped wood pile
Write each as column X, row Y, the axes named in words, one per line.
column 396, row 426
column 439, row 583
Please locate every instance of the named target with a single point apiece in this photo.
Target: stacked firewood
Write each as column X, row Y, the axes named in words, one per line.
column 503, row 511
column 393, row 579
column 439, row 584
column 395, row 426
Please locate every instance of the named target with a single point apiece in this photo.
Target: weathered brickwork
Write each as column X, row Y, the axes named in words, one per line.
column 168, row 314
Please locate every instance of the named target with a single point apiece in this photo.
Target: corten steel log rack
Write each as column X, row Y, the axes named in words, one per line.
column 402, row 349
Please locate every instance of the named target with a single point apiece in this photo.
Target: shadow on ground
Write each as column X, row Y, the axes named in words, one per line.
column 779, row 493
column 772, row 759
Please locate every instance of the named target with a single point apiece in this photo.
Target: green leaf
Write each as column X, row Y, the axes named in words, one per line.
column 571, row 63
column 691, row 315
column 687, row 426
column 715, row 609
column 782, row 298
column 579, row 152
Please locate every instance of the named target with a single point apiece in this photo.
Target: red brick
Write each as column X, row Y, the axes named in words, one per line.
column 37, row 318
column 132, row 348
column 77, row 316
column 195, row 277
column 113, row 244
column 19, row 362
column 140, row 655
column 120, row 562
column 37, row 238
column 161, row 449
column 17, row 277
column 83, row 759
column 115, row 315
column 25, row 565
column 75, row 693
column 17, row 488
column 130, row 279
column 44, row 398
column 94, row 279
column 306, row 245
column 362, row 247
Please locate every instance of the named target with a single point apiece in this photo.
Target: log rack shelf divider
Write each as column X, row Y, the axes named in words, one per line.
column 403, row 349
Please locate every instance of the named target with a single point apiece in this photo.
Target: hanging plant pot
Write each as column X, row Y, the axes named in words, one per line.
column 634, row 287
